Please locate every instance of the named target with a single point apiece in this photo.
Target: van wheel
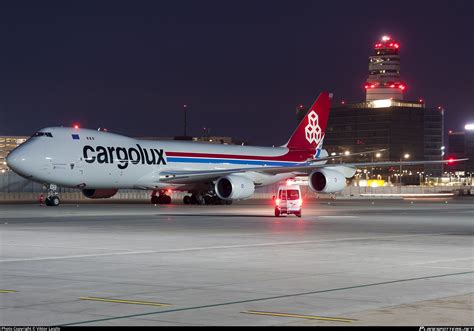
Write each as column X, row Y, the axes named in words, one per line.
column 298, row 213
column 277, row 212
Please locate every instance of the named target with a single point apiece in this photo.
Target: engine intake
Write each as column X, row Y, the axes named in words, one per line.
column 234, row 187
column 327, row 181
column 99, row 193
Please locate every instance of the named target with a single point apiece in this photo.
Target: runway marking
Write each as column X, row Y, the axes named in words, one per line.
column 337, row 216
column 8, row 291
column 191, row 249
column 441, row 261
column 433, row 262
column 270, row 298
column 131, row 302
column 11, row 244
column 321, row 318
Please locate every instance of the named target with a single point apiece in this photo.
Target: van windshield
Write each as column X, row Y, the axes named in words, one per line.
column 289, row 195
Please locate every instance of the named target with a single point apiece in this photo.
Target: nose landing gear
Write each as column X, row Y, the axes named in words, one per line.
column 52, row 198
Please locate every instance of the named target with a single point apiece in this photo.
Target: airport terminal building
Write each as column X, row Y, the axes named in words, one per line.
column 404, row 129
column 461, row 145
column 7, row 144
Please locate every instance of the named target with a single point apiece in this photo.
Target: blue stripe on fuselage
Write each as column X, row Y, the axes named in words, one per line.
column 233, row 161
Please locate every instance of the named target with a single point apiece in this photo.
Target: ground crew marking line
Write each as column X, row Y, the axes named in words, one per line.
column 311, row 317
column 397, row 281
column 130, row 302
column 8, row 291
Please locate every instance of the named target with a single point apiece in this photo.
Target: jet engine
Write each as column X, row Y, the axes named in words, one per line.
column 327, row 181
column 99, row 193
column 234, row 187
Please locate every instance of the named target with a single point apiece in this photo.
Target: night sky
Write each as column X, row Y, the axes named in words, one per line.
column 241, row 66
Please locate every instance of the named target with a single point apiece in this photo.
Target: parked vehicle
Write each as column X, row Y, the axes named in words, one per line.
column 288, row 201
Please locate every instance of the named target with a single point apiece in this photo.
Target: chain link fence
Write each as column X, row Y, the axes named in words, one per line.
column 16, row 188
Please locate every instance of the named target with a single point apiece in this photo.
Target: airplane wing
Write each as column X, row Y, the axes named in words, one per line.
column 186, row 177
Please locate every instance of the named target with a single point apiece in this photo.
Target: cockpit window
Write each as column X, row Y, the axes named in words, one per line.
column 43, row 134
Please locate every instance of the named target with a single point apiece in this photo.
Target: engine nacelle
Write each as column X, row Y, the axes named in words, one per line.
column 327, row 181
column 99, row 193
column 234, row 187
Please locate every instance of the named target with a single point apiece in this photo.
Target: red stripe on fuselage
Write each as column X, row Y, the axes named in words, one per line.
column 292, row 156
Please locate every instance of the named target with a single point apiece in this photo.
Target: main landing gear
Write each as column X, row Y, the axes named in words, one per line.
column 52, row 198
column 161, row 199
column 200, row 198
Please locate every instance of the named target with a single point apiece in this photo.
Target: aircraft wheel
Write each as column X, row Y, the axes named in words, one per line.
column 52, row 201
column 167, row 199
column 155, row 200
column 187, row 200
column 55, row 200
column 228, row 202
column 200, row 200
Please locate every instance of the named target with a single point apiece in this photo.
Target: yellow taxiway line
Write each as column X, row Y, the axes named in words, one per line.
column 321, row 318
column 130, row 302
column 7, row 291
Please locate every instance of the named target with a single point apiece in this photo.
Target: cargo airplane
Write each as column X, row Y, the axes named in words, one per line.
column 100, row 163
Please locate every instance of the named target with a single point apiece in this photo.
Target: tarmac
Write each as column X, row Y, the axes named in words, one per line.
column 348, row 262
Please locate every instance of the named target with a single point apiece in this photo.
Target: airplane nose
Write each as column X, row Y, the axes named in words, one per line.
column 12, row 160
column 16, row 161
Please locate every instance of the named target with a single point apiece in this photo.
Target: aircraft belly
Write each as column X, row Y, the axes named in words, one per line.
column 110, row 176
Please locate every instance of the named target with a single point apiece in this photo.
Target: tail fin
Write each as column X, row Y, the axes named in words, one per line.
column 309, row 134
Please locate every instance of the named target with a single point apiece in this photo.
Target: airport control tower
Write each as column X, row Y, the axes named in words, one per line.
column 384, row 72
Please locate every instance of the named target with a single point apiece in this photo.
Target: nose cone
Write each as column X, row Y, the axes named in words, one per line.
column 17, row 161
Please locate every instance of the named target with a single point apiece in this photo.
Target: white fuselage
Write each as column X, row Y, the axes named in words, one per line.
column 85, row 158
